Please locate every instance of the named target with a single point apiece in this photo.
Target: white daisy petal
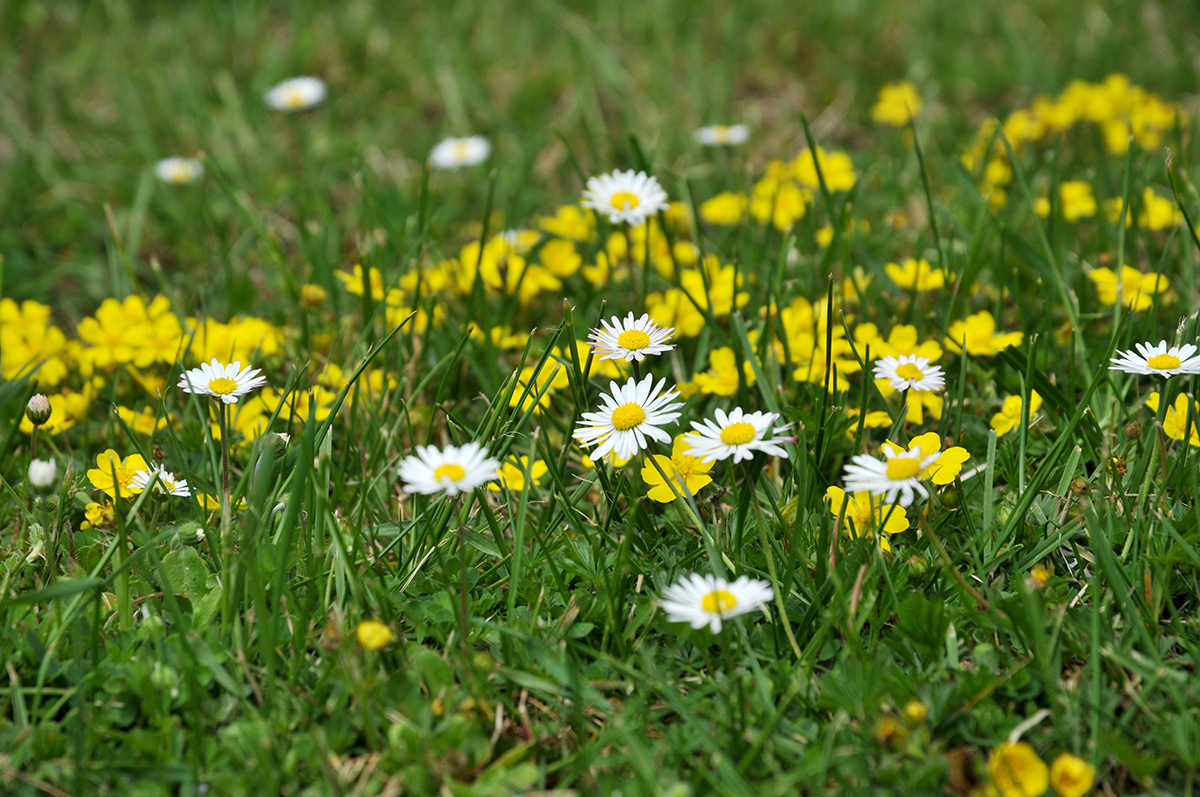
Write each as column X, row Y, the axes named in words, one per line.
column 165, row 482
column 1157, row 360
column 910, row 372
column 625, row 197
column 738, row 435
column 452, row 471
column 708, row 600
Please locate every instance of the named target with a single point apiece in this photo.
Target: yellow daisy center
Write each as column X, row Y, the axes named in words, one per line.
column 901, row 469
column 294, row 98
column 627, row 416
column 909, row 371
column 721, row 133
column 633, row 339
column 718, row 601
column 1161, row 362
column 737, row 434
column 460, row 150
column 623, row 200
column 449, row 471
column 223, row 385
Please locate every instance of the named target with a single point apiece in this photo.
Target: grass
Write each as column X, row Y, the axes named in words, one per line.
column 156, row 655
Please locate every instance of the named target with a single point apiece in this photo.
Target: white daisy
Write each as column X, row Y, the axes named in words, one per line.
column 722, row 135
column 631, row 339
column 225, row 382
column 627, row 417
column 899, row 474
column 707, row 600
column 166, row 482
column 179, row 170
column 296, row 94
column 736, row 435
column 452, row 471
column 454, row 153
column 630, row 197
column 1158, row 360
column 910, row 372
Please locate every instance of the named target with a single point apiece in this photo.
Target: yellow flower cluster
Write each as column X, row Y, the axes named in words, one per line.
column 1015, row 770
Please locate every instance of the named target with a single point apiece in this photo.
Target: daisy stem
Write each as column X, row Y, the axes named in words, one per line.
column 226, row 519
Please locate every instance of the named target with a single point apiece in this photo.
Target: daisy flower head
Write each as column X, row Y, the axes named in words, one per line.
column 722, row 135
column 454, row 470
column 901, row 472
column 738, row 435
column 455, row 153
column 630, row 197
column 179, row 171
column 708, row 600
column 910, row 372
column 628, row 414
column 296, row 94
column 164, row 481
column 1151, row 360
column 224, row 382
column 631, row 339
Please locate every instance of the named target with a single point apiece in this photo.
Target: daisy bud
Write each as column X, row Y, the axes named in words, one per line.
column 43, row 473
column 38, row 410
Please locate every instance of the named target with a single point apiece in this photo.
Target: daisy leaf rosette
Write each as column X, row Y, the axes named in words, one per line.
column 628, row 414
column 625, row 197
column 709, row 600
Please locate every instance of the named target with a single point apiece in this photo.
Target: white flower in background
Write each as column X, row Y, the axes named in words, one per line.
column 708, row 600
column 296, row 94
column 166, row 482
column 178, row 171
column 455, row 153
column 43, row 473
column 910, row 372
column 1151, row 360
column 630, row 197
column 722, row 135
column 225, row 382
column 627, row 417
column 631, row 339
column 452, row 471
column 736, row 435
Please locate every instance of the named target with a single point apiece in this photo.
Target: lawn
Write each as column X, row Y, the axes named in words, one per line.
column 486, row 416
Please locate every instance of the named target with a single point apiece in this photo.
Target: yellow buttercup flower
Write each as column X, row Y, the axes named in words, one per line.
column 979, row 331
column 108, row 463
column 681, row 469
column 1071, row 776
column 726, row 208
column 722, row 377
column 896, row 104
column 570, row 221
column 867, row 515
column 1009, row 415
column 1017, row 771
column 1134, row 289
column 836, row 168
column 374, row 635
column 1175, row 422
column 98, row 515
column 511, row 475
column 916, row 274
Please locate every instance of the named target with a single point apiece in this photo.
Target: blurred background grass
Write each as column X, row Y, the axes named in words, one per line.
column 95, row 93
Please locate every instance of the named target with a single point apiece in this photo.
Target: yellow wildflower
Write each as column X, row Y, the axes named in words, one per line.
column 98, row 515
column 896, row 104
column 559, row 257
column 511, row 475
column 867, row 515
column 681, row 469
column 1175, row 422
column 570, row 221
column 373, row 635
column 354, row 281
column 1017, row 771
column 916, row 274
column 722, row 377
column 979, row 330
column 1071, row 776
column 836, row 168
column 724, row 209
column 109, row 462
column 946, row 467
column 1135, row 289
column 1009, row 415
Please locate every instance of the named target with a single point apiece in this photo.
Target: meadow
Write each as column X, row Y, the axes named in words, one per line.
column 553, row 398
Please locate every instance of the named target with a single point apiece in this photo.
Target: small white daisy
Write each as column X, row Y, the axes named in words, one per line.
column 722, row 135
column 225, row 382
column 630, row 197
column 631, row 339
column 457, row 469
column 899, row 474
column 1150, row 360
column 910, row 372
column 166, row 482
column 736, row 435
column 454, row 153
column 708, row 600
column 179, row 170
column 627, row 417
column 296, row 94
